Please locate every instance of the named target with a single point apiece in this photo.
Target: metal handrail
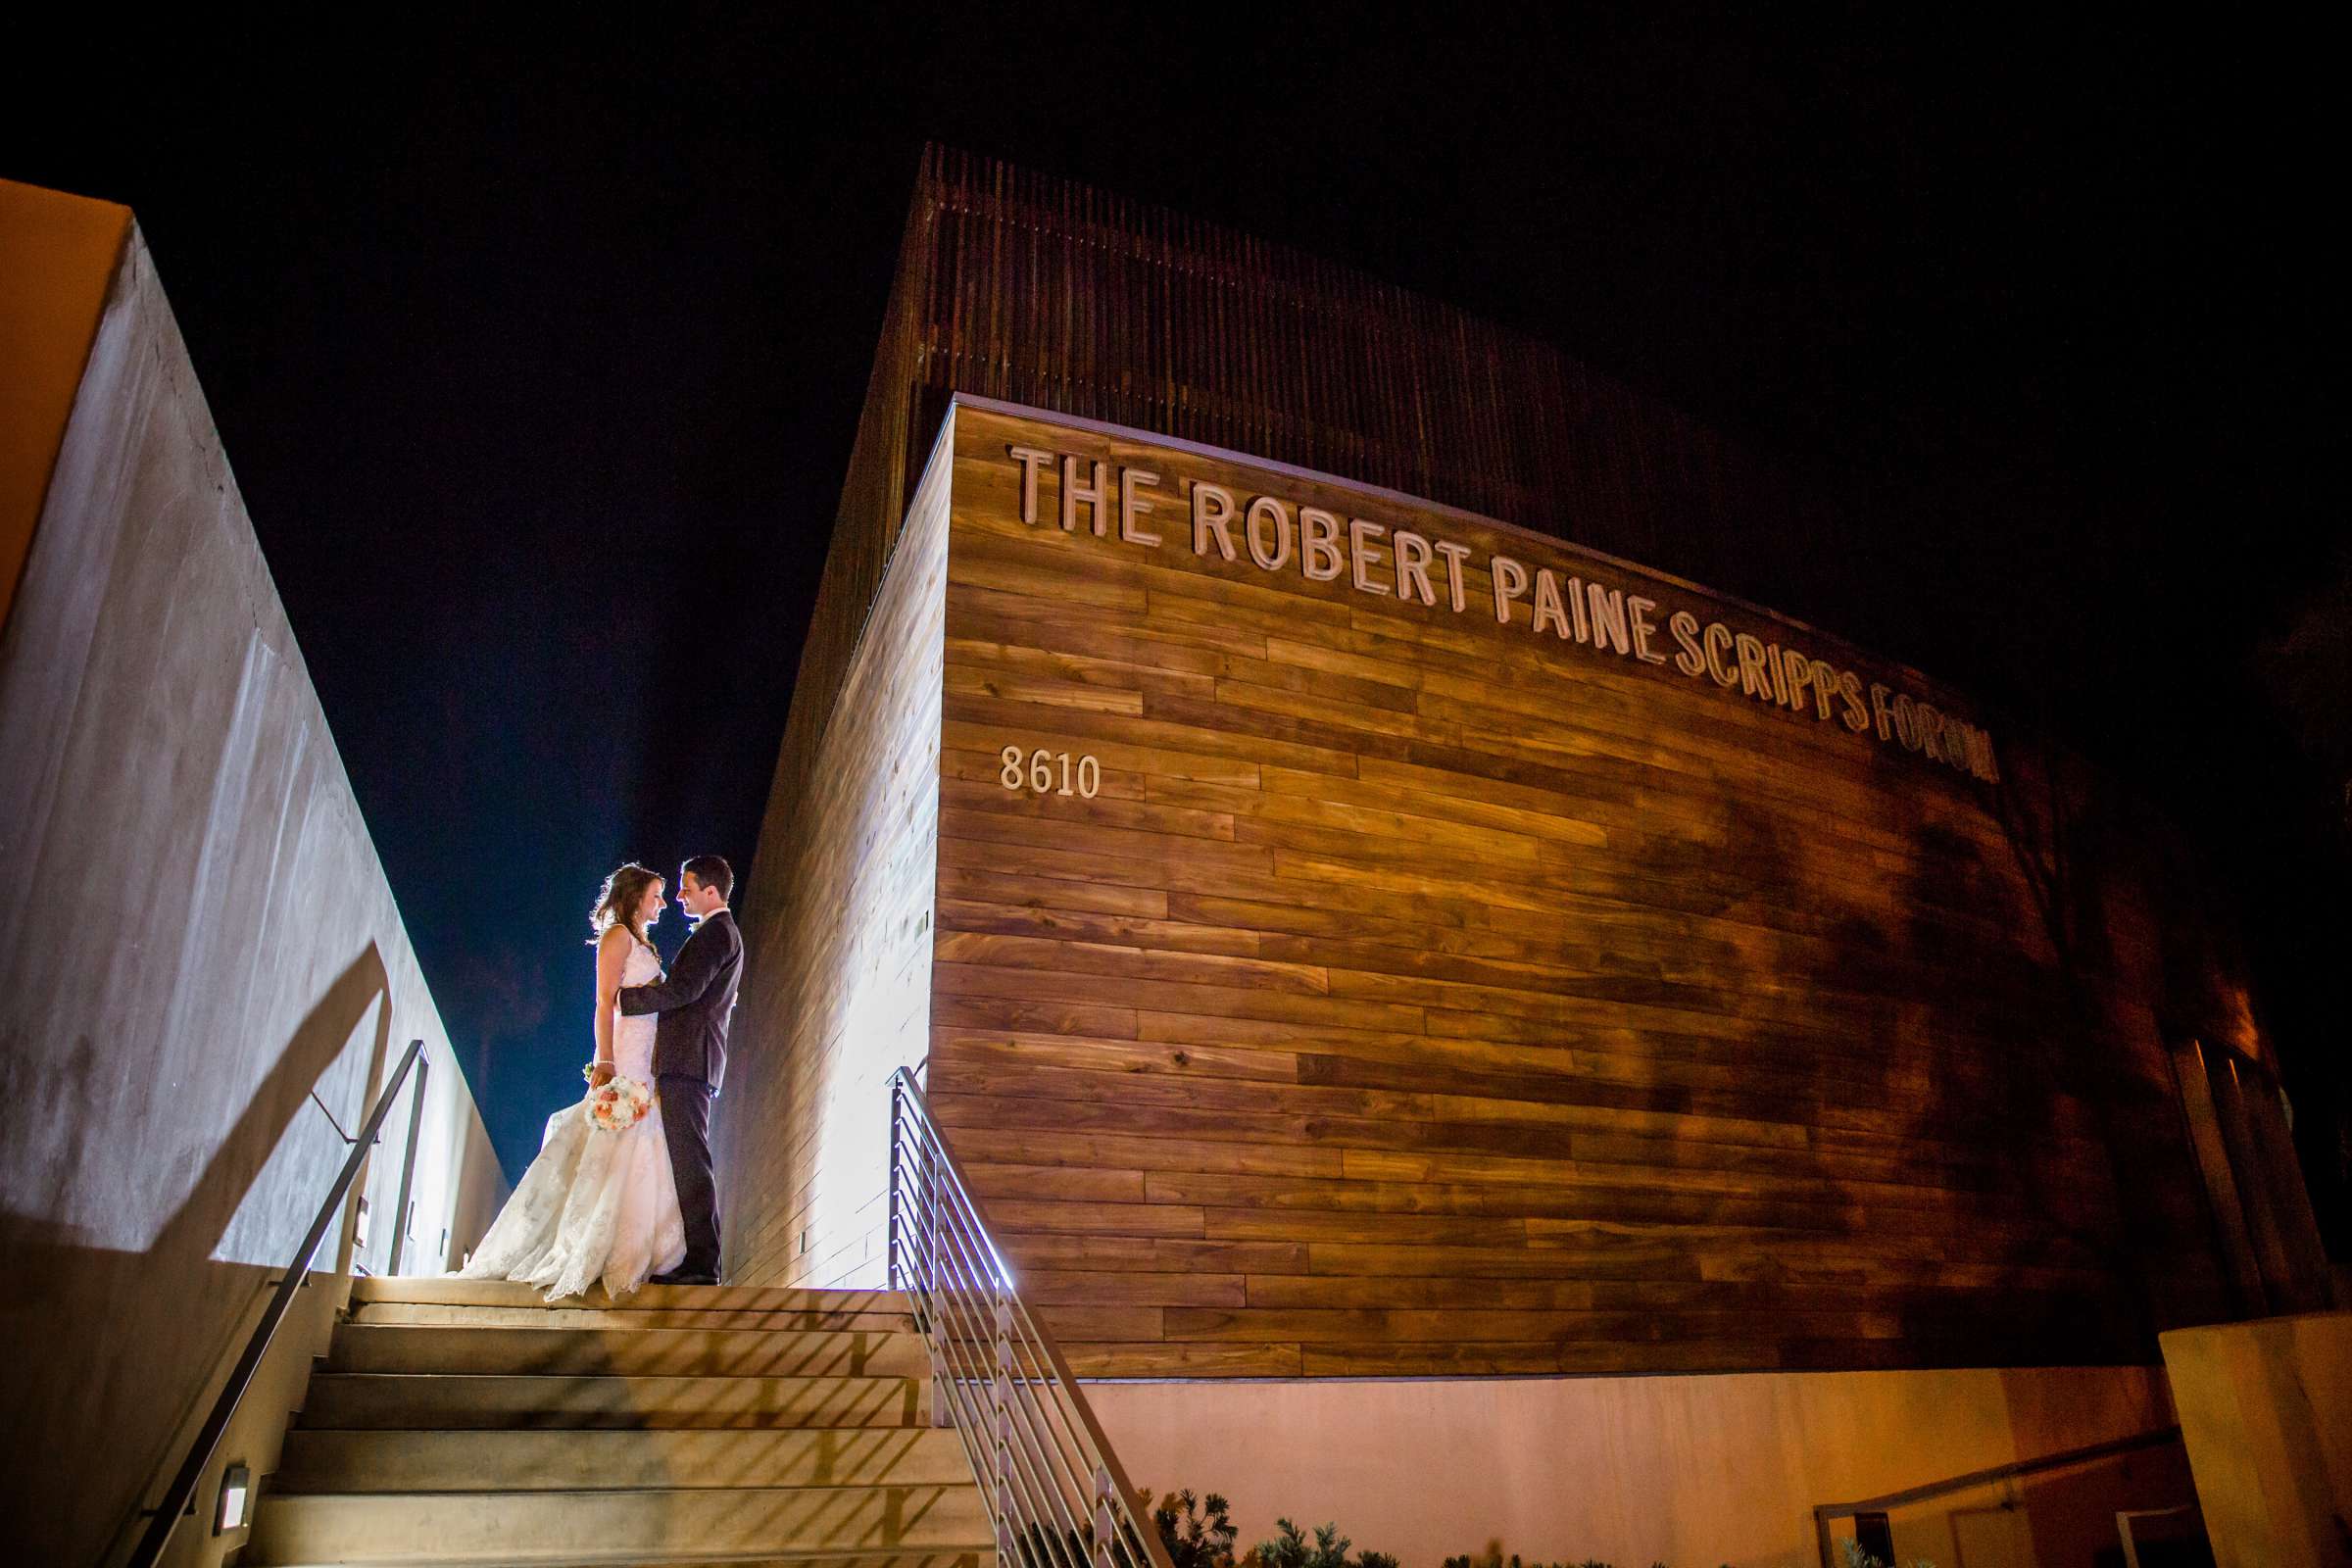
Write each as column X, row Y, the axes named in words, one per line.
column 1055, row 1494
column 184, row 1485
column 1824, row 1513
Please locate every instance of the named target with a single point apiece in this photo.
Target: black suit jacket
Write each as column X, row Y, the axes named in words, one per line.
column 695, row 1003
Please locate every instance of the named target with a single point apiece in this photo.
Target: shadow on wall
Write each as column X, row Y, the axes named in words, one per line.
column 2054, row 1071
column 126, row 1341
column 2009, row 1079
column 1971, row 1139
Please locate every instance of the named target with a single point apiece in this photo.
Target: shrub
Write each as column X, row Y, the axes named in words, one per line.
column 1856, row 1557
column 1199, row 1533
column 1492, row 1557
column 1290, row 1549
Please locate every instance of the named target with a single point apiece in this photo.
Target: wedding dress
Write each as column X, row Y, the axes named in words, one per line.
column 594, row 1205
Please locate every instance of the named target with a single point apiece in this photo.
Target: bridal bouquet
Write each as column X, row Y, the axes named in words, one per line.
column 618, row 1104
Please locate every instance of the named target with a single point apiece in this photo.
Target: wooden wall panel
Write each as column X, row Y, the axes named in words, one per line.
column 1421, row 996
column 838, row 948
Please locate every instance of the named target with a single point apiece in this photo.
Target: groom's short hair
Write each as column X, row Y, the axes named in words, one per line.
column 712, row 872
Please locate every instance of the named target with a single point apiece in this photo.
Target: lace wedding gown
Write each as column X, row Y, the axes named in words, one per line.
column 594, row 1205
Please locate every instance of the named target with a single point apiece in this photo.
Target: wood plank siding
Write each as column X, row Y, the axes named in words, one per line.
column 1420, row 993
column 1413, row 991
column 836, row 986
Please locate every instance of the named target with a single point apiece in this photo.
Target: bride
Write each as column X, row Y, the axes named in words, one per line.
column 599, row 1204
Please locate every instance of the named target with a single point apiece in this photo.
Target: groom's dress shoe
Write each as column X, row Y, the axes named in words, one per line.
column 682, row 1278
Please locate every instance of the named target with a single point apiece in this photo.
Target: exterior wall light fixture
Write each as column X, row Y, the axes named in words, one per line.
column 236, row 1499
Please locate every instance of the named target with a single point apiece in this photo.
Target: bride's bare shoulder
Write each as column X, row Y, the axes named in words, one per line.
column 617, row 939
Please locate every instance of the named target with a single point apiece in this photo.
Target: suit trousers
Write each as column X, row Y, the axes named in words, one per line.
column 686, row 1125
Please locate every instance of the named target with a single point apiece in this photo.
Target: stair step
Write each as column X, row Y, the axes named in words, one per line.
column 544, row 1527
column 536, row 1461
column 732, row 1559
column 539, row 1315
column 470, row 1422
column 475, row 1402
column 625, row 1352
column 444, row 1290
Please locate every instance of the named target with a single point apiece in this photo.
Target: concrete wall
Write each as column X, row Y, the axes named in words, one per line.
column 198, row 933
column 1690, row 1471
column 2267, row 1412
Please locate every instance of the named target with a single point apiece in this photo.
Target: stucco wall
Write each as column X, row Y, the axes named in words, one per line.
column 197, row 933
column 2267, row 1412
column 1689, row 1470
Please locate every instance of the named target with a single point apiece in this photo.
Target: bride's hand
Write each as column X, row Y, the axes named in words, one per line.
column 599, row 1075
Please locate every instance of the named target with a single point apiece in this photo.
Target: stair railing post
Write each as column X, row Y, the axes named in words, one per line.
column 1000, row 1402
column 928, row 1269
column 407, row 1172
column 890, row 1254
column 1106, row 1524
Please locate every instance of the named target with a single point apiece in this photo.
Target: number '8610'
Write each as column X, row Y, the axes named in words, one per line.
column 1044, row 772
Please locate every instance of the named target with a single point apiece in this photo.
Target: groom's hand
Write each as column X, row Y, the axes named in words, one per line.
column 600, row 1075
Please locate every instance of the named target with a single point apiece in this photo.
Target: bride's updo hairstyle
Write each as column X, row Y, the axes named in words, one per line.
column 616, row 901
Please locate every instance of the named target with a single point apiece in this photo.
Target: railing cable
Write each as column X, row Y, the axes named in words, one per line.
column 1055, row 1494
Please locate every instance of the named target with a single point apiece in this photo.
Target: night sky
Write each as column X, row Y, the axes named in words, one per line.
column 538, row 356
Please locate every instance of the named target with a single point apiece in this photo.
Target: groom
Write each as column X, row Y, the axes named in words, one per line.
column 690, row 1052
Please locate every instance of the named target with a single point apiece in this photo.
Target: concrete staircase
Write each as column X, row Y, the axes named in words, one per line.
column 465, row 1422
